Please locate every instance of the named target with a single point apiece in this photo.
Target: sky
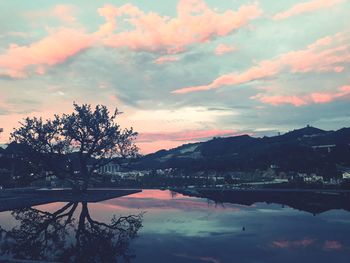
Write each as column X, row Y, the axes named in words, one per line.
column 180, row 71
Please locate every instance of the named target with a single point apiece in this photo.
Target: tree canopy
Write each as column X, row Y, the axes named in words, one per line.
column 73, row 146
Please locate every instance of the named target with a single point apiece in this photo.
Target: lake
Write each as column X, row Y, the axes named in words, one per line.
column 163, row 226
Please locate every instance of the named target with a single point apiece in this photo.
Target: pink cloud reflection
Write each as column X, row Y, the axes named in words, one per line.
column 155, row 194
column 288, row 244
column 207, row 259
column 332, row 245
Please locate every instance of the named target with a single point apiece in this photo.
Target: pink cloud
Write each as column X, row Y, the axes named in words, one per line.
column 324, row 55
column 109, row 12
column 301, row 100
column 306, row 7
column 195, row 23
column 263, row 70
column 338, row 69
column 154, row 141
column 162, row 60
column 184, row 135
column 325, row 97
column 54, row 49
column 223, row 49
column 63, row 12
column 278, row 100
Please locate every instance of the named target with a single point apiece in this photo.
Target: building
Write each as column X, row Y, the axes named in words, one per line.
column 328, row 148
column 346, row 175
column 110, row 168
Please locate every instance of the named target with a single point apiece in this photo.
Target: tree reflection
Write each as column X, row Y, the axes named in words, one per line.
column 69, row 236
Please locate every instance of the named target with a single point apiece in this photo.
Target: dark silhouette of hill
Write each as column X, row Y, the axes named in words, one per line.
column 306, row 131
column 304, row 150
column 314, row 202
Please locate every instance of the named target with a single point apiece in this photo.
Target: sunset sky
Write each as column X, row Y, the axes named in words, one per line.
column 181, row 71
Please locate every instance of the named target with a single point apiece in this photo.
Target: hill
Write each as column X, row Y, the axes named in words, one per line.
column 307, row 150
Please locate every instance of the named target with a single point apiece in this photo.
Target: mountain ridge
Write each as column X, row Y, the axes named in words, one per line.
column 308, row 149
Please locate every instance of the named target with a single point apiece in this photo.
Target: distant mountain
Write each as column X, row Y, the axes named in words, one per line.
column 308, row 149
column 308, row 131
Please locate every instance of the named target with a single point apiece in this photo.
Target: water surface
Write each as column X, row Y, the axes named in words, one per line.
column 160, row 226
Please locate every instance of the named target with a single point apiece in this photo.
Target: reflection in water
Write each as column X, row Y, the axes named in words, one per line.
column 178, row 229
column 314, row 202
column 68, row 236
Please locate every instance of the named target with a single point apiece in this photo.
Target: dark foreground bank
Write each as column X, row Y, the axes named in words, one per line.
column 27, row 197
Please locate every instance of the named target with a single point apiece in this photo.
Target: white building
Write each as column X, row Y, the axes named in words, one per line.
column 346, row 175
column 326, row 147
column 110, row 168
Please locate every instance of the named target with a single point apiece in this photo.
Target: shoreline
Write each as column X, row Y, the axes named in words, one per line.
column 11, row 199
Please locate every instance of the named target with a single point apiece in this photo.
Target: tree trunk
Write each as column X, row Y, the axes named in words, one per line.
column 84, row 174
column 85, row 185
column 76, row 188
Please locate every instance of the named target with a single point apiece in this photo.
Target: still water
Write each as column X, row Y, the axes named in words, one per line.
column 161, row 226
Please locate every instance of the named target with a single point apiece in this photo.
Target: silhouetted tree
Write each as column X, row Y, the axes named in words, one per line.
column 74, row 145
column 69, row 236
